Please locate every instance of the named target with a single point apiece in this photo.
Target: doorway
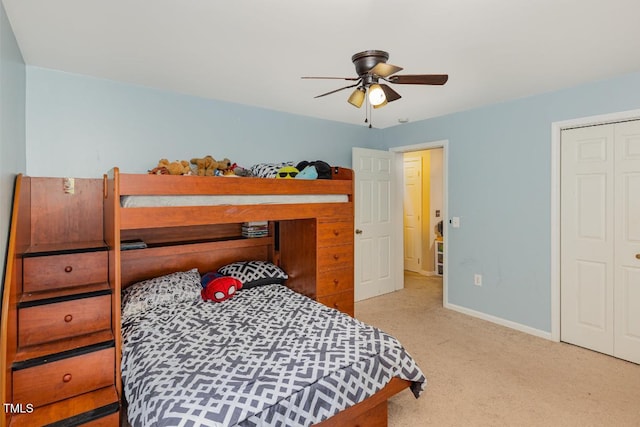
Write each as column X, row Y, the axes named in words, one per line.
column 438, row 177
column 422, row 217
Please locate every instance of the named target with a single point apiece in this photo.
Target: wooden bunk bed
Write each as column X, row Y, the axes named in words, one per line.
column 312, row 240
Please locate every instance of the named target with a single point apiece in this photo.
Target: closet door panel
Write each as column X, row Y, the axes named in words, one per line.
column 587, row 237
column 627, row 241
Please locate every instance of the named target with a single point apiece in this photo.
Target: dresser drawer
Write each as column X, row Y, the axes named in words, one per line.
column 342, row 301
column 64, row 378
column 335, row 233
column 96, row 408
column 333, row 257
column 66, row 319
column 111, row 420
column 43, row 273
column 335, row 281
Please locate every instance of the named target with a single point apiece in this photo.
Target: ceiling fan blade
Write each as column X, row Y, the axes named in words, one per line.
column 419, row 79
column 389, row 93
column 333, row 78
column 382, row 69
column 338, row 90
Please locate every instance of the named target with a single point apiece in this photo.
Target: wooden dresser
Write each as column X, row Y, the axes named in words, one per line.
column 335, row 264
column 60, row 347
column 317, row 254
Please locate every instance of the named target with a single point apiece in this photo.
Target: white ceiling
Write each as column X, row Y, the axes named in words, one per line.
column 254, row 52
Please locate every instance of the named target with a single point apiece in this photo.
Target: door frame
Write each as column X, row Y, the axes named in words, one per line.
column 398, row 153
column 556, row 135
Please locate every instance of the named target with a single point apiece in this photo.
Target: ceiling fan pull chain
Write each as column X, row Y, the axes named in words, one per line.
column 366, row 113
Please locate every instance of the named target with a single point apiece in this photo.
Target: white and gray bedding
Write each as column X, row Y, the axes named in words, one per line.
column 266, row 357
column 224, row 200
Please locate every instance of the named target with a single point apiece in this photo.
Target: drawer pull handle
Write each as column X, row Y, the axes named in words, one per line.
column 68, row 269
column 336, row 233
column 335, row 305
column 68, row 318
column 336, row 281
column 336, row 256
column 637, row 256
column 66, row 378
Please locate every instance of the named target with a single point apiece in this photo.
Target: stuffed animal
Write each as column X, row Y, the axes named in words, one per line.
column 287, row 172
column 205, row 166
column 309, row 172
column 322, row 168
column 218, row 288
column 223, row 168
column 159, row 170
column 240, row 171
column 179, row 167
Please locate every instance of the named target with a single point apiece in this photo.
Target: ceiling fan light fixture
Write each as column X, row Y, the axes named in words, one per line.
column 357, row 97
column 381, row 104
column 376, row 95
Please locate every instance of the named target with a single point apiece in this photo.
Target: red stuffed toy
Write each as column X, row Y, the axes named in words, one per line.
column 218, row 288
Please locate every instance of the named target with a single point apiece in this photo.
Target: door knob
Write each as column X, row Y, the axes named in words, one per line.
column 358, row 231
column 637, row 256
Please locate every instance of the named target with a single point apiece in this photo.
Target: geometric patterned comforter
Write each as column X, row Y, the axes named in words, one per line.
column 267, row 357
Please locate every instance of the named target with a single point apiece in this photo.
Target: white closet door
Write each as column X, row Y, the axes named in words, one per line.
column 627, row 237
column 600, row 238
column 586, row 237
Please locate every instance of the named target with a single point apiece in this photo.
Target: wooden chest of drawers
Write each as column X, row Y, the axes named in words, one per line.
column 64, row 369
column 334, row 286
column 318, row 256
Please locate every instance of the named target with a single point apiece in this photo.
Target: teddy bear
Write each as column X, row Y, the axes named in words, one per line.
column 223, row 168
column 179, row 167
column 205, row 166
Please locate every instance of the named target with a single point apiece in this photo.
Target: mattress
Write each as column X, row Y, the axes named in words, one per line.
column 267, row 357
column 219, row 200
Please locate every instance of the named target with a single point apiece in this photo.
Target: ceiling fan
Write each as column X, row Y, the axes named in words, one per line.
column 371, row 67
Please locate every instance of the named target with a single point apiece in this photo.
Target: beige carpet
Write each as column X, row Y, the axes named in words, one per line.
column 483, row 374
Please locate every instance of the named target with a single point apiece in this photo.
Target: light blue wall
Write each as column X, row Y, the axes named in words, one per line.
column 499, row 165
column 82, row 126
column 12, row 125
column 499, row 175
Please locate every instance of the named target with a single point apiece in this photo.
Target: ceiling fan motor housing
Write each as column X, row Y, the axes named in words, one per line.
column 365, row 61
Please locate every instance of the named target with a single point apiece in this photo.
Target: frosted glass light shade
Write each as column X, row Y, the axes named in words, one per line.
column 376, row 95
column 357, row 97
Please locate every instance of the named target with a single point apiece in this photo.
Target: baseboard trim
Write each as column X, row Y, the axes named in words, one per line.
column 500, row 321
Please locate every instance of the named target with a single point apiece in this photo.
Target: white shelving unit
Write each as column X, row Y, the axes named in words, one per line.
column 439, row 256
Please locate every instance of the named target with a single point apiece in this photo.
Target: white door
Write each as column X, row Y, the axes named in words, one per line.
column 586, row 238
column 373, row 201
column 600, row 237
column 412, row 208
column 627, row 238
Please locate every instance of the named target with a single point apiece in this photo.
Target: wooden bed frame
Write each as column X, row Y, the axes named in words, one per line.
column 312, row 242
column 218, row 223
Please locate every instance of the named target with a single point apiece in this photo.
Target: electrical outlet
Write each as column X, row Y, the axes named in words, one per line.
column 477, row 279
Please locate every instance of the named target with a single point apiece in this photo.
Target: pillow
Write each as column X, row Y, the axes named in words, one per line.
column 163, row 290
column 268, row 170
column 220, row 288
column 254, row 273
